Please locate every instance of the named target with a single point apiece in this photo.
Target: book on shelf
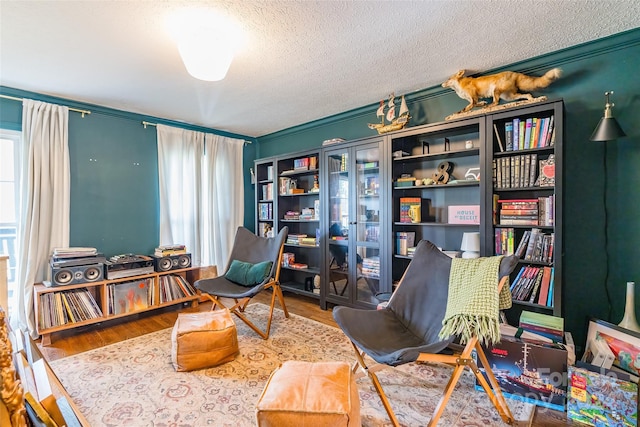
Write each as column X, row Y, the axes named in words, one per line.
column 410, row 209
column 298, row 265
column 546, row 177
column 495, row 130
column 404, row 241
column 508, row 135
column 521, row 134
column 504, row 240
column 527, row 132
column 544, row 286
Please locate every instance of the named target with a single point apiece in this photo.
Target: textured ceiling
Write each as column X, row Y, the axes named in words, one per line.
column 302, row 61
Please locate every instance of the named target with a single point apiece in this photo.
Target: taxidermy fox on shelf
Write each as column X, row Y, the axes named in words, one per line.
column 507, row 85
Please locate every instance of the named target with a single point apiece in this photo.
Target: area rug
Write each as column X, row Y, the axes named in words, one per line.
column 133, row 383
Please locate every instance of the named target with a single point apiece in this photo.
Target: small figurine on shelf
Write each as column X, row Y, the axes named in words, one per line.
column 316, row 186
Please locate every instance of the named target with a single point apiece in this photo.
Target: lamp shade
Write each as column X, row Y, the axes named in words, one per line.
column 207, row 42
column 470, row 245
column 608, row 128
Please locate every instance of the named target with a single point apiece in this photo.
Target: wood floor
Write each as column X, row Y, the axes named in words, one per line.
column 67, row 343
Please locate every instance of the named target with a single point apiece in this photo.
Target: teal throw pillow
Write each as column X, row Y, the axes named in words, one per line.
column 247, row 274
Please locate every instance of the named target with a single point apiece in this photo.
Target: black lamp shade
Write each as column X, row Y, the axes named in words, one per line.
column 607, row 130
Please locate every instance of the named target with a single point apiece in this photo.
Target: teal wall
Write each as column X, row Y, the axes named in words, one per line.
column 589, row 71
column 114, row 173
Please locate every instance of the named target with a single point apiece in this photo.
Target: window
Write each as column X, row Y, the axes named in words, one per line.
column 8, row 202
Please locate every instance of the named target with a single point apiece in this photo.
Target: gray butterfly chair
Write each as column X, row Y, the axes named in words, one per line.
column 249, row 248
column 407, row 329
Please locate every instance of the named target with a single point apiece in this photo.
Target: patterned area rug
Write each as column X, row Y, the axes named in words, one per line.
column 132, row 383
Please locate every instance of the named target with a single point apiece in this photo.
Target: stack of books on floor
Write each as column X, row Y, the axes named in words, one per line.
column 545, row 325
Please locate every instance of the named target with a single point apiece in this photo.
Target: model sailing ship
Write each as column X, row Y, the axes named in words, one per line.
column 395, row 123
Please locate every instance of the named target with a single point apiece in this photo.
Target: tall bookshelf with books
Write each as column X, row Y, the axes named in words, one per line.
column 525, row 159
column 357, row 222
column 297, row 206
column 266, row 192
column 437, row 190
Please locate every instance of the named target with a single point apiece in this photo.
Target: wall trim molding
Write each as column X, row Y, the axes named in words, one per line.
column 534, row 65
column 112, row 112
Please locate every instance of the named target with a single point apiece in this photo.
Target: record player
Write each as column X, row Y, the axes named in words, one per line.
column 127, row 265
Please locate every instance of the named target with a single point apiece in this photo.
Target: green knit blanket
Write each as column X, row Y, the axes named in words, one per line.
column 473, row 304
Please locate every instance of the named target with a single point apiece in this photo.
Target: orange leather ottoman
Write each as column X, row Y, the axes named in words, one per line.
column 202, row 340
column 310, row 394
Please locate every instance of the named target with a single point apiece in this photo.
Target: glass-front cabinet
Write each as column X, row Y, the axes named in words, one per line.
column 355, row 218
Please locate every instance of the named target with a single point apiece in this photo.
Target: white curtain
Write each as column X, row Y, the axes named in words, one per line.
column 44, row 197
column 224, row 196
column 201, row 192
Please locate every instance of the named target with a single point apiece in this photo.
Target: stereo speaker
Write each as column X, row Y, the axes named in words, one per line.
column 76, row 274
column 171, row 262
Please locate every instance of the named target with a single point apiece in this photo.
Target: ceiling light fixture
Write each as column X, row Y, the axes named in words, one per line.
column 207, row 42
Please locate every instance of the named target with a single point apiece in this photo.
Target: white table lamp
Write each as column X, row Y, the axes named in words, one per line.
column 470, row 245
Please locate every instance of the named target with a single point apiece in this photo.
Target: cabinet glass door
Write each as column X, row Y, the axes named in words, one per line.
column 366, row 222
column 339, row 221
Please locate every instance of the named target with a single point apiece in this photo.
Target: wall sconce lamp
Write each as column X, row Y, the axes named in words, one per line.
column 608, row 128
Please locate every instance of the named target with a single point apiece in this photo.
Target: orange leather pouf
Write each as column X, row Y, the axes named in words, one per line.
column 202, row 340
column 310, row 394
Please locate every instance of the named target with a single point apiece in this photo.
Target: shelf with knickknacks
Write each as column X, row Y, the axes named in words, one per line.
column 316, row 185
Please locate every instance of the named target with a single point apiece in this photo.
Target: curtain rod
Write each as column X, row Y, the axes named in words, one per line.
column 145, row 124
column 13, row 98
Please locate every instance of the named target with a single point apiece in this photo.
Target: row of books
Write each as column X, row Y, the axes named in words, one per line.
column 267, row 191
column 265, row 211
column 174, row 287
column 536, row 246
column 524, row 134
column 534, row 284
column 539, row 211
column 301, row 239
column 515, row 171
column 504, row 241
column 305, row 163
column 60, row 308
column 371, row 267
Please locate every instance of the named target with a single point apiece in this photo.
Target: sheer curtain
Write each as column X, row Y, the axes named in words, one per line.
column 201, row 192
column 44, row 197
